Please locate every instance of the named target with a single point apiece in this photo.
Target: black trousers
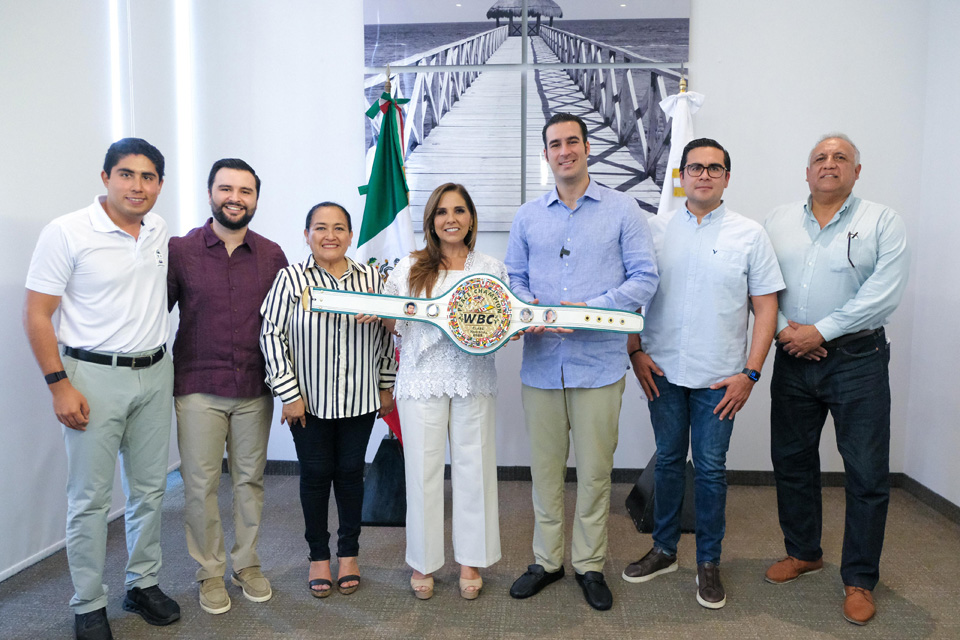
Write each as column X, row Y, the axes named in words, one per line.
column 332, row 452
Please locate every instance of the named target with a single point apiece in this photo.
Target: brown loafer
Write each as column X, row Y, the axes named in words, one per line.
column 858, row 605
column 790, row 568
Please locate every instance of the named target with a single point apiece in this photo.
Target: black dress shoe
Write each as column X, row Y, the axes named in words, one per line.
column 92, row 625
column 535, row 579
column 153, row 605
column 595, row 590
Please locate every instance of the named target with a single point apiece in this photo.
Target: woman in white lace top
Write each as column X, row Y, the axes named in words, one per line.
column 442, row 391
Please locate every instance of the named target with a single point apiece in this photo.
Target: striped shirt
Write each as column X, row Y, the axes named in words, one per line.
column 334, row 364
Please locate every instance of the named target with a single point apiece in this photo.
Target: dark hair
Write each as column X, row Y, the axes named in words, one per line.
column 429, row 260
column 133, row 147
column 231, row 163
column 704, row 142
column 563, row 117
column 327, row 203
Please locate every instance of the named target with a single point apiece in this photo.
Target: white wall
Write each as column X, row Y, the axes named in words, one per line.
column 776, row 76
column 933, row 415
column 56, row 127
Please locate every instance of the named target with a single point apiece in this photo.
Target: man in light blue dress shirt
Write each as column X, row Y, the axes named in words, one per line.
column 694, row 366
column 845, row 262
column 579, row 244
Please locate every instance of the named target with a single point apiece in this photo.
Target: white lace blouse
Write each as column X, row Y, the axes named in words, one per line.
column 430, row 364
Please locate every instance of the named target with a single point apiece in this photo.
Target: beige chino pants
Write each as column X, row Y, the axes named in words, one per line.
column 205, row 423
column 592, row 418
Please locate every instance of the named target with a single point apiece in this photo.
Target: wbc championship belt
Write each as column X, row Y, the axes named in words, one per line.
column 478, row 314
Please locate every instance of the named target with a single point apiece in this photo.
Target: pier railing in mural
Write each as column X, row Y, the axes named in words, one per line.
column 434, row 92
column 638, row 121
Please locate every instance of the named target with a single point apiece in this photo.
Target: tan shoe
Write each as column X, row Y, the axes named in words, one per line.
column 214, row 598
column 858, row 605
column 470, row 589
column 422, row 587
column 256, row 588
column 790, row 568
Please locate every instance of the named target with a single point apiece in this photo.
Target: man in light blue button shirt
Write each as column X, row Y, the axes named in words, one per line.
column 581, row 243
column 694, row 366
column 845, row 262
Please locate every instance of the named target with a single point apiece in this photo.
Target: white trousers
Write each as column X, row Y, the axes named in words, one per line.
column 471, row 425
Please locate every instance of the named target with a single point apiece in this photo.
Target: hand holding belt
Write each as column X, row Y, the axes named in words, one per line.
column 478, row 314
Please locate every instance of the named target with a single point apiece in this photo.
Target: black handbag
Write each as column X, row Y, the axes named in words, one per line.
column 640, row 501
column 385, row 488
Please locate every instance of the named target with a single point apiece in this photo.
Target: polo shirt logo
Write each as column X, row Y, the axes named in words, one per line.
column 159, row 256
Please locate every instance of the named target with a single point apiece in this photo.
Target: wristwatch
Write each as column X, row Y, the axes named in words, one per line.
column 56, row 376
column 753, row 374
column 478, row 314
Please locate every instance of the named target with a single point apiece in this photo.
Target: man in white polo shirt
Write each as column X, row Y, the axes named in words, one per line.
column 105, row 268
column 694, row 367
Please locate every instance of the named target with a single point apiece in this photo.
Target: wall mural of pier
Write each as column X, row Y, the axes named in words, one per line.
column 465, row 125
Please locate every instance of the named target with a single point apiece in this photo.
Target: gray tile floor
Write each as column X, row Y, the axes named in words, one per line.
column 918, row 597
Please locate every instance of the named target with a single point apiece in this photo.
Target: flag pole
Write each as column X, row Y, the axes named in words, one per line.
column 387, row 86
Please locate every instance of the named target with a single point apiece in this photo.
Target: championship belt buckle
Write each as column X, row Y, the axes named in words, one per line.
column 479, row 313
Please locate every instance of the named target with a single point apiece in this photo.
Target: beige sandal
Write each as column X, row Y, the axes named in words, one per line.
column 422, row 587
column 468, row 593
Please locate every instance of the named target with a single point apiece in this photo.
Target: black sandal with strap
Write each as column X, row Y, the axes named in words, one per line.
column 348, row 590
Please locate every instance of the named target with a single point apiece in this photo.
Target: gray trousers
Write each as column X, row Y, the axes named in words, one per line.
column 205, row 423
column 130, row 414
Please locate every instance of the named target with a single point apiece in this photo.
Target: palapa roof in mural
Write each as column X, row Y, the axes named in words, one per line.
column 507, row 8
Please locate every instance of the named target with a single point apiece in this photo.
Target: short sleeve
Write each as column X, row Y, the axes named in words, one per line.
column 52, row 263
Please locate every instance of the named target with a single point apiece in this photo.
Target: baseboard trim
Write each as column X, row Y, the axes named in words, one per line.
column 898, row 480
column 928, row 497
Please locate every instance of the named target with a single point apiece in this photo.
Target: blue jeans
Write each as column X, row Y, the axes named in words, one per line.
column 332, row 451
column 851, row 383
column 681, row 416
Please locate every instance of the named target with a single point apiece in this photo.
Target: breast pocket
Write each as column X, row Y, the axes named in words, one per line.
column 730, row 267
column 844, row 253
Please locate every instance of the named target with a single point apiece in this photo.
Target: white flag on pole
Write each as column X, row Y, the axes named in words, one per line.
column 681, row 108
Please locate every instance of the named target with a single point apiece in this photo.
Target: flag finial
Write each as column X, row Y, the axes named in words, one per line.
column 386, row 85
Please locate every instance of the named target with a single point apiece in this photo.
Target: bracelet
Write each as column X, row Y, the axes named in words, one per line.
column 637, row 350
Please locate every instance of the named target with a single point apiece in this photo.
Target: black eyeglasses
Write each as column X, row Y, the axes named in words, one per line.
column 850, row 236
column 695, row 170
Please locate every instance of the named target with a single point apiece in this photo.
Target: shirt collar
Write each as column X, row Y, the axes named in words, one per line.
column 100, row 221
column 594, row 192
column 210, row 237
column 716, row 214
column 311, row 263
column 848, row 205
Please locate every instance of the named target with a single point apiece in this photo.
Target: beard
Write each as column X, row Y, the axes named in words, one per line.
column 233, row 225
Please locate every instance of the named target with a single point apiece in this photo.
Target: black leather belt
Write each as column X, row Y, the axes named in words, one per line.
column 134, row 362
column 850, row 337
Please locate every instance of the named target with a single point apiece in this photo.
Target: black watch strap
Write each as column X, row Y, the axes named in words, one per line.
column 56, row 376
column 753, row 374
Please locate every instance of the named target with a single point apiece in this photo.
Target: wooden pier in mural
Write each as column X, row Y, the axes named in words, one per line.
column 465, row 126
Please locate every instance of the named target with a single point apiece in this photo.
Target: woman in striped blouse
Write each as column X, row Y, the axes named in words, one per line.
column 444, row 392
column 334, row 375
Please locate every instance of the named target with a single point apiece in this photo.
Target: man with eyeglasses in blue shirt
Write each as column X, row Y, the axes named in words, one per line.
column 580, row 243
column 694, row 367
column 845, row 262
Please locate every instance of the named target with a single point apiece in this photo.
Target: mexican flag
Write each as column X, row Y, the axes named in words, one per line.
column 386, row 234
column 681, row 108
